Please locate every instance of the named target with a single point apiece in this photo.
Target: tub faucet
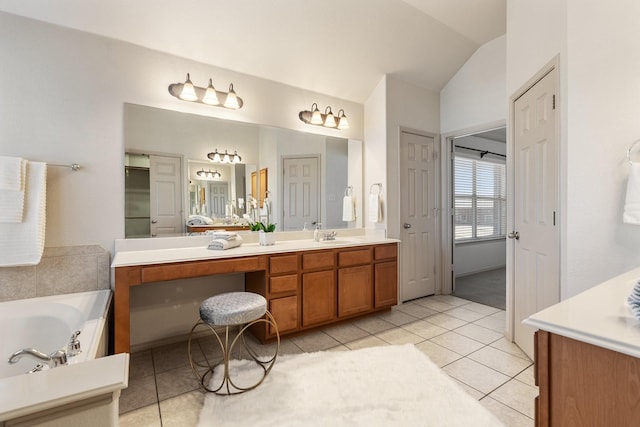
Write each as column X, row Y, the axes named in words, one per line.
column 57, row 358
column 73, row 347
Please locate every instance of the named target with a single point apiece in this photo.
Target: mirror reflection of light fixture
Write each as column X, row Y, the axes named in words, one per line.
column 209, row 174
column 314, row 117
column 209, row 95
column 216, row 157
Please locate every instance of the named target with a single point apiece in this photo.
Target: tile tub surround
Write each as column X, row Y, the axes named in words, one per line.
column 163, row 392
column 62, row 270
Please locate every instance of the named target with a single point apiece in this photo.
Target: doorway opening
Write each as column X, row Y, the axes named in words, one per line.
column 479, row 219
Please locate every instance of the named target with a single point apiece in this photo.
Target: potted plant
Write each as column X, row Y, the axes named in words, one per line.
column 267, row 235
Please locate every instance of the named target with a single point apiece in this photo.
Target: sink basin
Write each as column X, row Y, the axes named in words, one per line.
column 339, row 241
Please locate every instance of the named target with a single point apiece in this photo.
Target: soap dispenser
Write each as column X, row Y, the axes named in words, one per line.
column 316, row 232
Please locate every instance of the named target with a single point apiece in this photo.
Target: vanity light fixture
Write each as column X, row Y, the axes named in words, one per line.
column 216, row 157
column 314, row 117
column 209, row 174
column 209, row 95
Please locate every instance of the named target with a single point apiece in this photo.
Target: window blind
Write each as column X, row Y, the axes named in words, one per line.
column 480, row 199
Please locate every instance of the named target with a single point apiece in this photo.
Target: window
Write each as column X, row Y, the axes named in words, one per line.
column 480, row 199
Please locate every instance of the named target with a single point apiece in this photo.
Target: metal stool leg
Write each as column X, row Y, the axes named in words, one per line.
column 227, row 349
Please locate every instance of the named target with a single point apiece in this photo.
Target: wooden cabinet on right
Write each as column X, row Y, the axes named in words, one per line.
column 581, row 384
column 385, row 292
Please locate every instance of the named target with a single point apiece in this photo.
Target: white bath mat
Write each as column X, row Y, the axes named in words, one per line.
column 379, row 386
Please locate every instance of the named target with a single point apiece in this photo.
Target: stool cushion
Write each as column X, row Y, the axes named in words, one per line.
column 233, row 308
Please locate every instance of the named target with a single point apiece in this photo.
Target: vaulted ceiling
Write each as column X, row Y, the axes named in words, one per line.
column 340, row 48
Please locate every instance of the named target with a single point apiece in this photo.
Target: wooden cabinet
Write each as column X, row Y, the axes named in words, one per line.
column 355, row 290
column 308, row 289
column 585, row 385
column 318, row 297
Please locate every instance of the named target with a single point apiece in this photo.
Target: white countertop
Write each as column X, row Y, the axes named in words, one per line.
column 31, row 393
column 125, row 258
column 598, row 316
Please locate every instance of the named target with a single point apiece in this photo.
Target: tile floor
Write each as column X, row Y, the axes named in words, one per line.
column 464, row 338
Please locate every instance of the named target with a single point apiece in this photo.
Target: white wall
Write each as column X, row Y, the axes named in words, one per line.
column 375, row 144
column 596, row 43
column 476, row 95
column 479, row 256
column 408, row 107
column 62, row 101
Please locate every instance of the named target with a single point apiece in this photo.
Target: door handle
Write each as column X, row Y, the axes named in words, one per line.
column 514, row 235
column 153, row 221
column 407, row 225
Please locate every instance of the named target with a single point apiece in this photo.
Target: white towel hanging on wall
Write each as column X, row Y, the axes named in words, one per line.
column 23, row 243
column 375, row 203
column 12, row 184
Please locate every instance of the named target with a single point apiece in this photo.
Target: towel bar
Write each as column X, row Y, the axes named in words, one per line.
column 376, row 184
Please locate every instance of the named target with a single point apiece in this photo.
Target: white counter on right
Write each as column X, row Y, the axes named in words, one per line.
column 598, row 316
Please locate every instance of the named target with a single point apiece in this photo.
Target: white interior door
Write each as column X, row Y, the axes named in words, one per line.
column 536, row 270
column 301, row 192
column 418, row 213
column 219, row 198
column 166, row 196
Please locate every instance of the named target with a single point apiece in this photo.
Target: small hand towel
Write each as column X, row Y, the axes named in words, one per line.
column 375, row 208
column 12, row 182
column 12, row 173
column 224, row 235
column 348, row 209
column 631, row 213
column 11, row 206
column 634, row 300
column 223, row 244
column 23, row 243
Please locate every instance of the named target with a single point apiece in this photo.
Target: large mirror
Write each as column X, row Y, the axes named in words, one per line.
column 290, row 178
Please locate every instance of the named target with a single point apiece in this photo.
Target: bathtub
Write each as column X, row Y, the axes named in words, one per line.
column 47, row 323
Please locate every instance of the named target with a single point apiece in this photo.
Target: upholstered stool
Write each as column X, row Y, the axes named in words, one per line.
column 233, row 309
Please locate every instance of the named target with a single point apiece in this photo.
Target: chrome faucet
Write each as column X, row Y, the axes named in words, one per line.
column 330, row 235
column 73, row 347
column 57, row 358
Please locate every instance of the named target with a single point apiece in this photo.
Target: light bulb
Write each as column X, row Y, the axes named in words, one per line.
column 236, row 157
column 316, row 117
column 329, row 120
column 210, row 96
column 232, row 99
column 342, row 120
column 216, row 156
column 188, row 92
column 226, row 158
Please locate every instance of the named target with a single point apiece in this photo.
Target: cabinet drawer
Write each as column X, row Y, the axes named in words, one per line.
column 386, row 251
column 283, row 264
column 315, row 260
column 288, row 283
column 348, row 258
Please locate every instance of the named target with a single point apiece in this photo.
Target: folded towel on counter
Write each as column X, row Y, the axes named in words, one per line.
column 199, row 220
column 12, row 185
column 223, row 244
column 375, row 208
column 634, row 300
column 631, row 213
column 23, row 243
column 224, row 235
column 348, row 209
column 12, row 173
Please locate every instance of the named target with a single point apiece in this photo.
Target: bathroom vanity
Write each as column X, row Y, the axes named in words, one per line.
column 587, row 358
column 306, row 283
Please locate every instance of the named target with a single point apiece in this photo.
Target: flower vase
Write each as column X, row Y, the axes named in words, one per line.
column 267, row 239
